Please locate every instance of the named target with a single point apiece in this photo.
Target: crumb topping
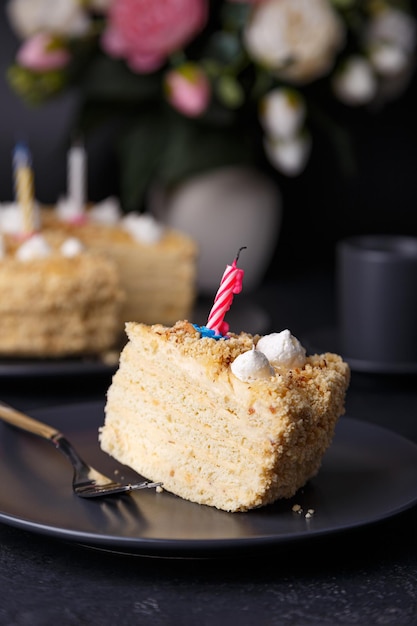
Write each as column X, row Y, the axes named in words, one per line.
column 190, row 343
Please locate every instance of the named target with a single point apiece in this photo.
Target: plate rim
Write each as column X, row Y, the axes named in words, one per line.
column 207, row 547
column 76, row 366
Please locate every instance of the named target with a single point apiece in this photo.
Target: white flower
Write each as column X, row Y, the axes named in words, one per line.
column 288, row 156
column 388, row 59
column 298, row 39
column 355, row 83
column 391, row 41
column 282, row 113
column 60, row 17
column 392, row 26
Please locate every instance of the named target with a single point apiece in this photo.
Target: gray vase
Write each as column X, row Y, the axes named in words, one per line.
column 223, row 210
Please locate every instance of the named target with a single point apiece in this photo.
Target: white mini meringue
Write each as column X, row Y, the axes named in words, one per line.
column 68, row 210
column 34, row 248
column 71, row 247
column 144, row 228
column 107, row 211
column 282, row 349
column 12, row 220
column 251, row 365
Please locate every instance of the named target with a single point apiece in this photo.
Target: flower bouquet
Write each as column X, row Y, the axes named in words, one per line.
column 190, row 85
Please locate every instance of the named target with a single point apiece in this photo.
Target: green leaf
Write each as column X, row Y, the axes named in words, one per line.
column 36, row 87
column 223, row 47
column 194, row 147
column 235, row 16
column 111, row 80
column 93, row 115
column 230, row 92
column 140, row 147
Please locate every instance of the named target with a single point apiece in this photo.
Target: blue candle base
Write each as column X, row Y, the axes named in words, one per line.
column 209, row 332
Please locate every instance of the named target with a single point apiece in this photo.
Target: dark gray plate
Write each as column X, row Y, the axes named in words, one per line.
column 368, row 475
column 24, row 368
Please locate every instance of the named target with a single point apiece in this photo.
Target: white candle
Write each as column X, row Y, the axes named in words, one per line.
column 77, row 177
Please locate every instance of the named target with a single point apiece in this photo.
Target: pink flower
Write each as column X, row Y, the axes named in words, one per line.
column 188, row 89
column 146, row 32
column 41, row 53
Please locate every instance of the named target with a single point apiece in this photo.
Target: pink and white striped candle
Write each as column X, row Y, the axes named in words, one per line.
column 230, row 284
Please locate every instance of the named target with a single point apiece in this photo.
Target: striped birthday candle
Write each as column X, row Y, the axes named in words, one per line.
column 230, row 284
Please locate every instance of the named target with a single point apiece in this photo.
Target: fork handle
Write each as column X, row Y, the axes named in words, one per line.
column 24, row 422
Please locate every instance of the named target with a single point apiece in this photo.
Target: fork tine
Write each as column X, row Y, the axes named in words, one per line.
column 87, row 481
column 144, row 485
column 94, row 491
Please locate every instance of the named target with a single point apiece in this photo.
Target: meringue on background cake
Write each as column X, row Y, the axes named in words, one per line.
column 235, row 422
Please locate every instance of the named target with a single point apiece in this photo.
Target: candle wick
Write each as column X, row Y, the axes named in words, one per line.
column 77, row 140
column 238, row 253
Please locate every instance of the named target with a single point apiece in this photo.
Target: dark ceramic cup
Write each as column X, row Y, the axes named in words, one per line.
column 376, row 285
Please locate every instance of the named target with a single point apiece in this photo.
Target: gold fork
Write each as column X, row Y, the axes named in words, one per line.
column 87, row 482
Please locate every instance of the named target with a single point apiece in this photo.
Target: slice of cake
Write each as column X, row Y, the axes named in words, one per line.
column 234, row 422
column 58, row 299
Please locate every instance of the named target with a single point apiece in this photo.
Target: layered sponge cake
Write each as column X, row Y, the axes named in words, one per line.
column 57, row 298
column 235, row 422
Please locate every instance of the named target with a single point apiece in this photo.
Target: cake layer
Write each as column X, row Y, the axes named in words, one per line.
column 58, row 306
column 59, row 283
column 158, row 278
column 60, row 333
column 176, row 414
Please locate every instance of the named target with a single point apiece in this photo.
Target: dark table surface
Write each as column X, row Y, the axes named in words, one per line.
column 365, row 576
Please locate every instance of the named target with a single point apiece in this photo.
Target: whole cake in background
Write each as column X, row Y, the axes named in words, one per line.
column 72, row 275
column 234, row 421
column 152, row 272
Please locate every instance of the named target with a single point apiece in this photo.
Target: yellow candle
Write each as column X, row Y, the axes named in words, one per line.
column 24, row 187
